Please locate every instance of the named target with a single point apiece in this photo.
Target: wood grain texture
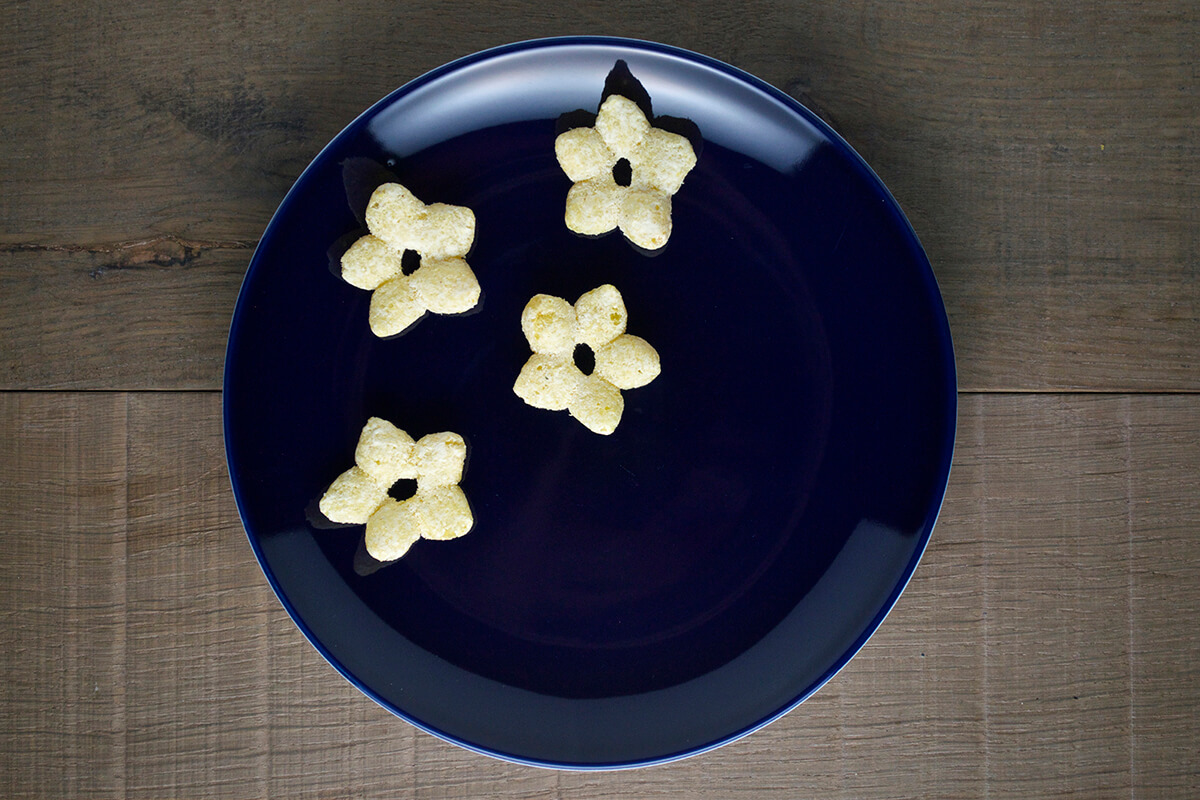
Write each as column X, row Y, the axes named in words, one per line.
column 118, row 315
column 1043, row 649
column 62, row 595
column 1046, row 156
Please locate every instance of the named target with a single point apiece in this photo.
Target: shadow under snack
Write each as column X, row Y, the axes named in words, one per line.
column 620, row 81
column 364, row 563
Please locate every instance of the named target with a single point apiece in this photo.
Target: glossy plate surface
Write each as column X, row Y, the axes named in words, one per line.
column 639, row 597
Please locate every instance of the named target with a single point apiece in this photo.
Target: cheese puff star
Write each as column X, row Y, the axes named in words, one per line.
column 439, row 234
column 385, row 454
column 551, row 380
column 658, row 160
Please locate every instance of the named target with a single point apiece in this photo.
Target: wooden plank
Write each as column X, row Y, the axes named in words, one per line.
column 198, row 669
column 1045, row 158
column 1164, row 573
column 62, row 595
column 1042, row 648
column 133, row 315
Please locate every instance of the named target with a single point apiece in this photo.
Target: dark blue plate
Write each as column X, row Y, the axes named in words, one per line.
column 627, row 599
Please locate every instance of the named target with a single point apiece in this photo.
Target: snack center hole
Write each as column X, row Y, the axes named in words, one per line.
column 623, row 172
column 409, row 262
column 403, row 489
column 585, row 359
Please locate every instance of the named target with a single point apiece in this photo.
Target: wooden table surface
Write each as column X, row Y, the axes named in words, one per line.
column 1048, row 156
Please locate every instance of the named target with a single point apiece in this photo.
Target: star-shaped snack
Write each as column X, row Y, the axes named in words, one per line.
column 386, row 454
column 658, row 163
column 551, row 380
column 439, row 234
